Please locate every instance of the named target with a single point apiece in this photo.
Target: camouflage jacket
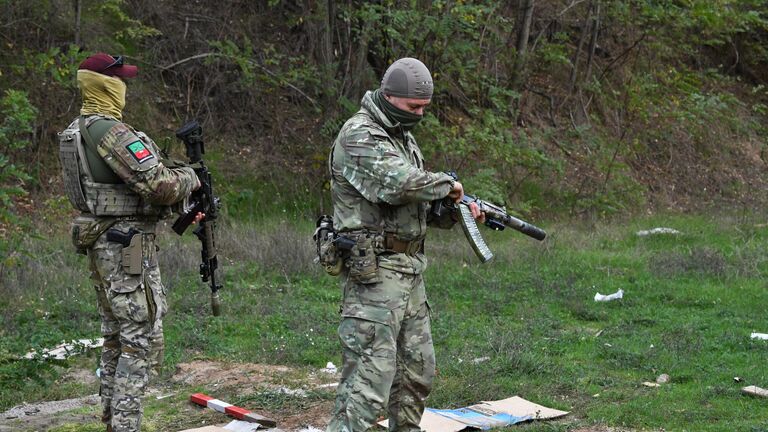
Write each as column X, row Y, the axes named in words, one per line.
column 378, row 182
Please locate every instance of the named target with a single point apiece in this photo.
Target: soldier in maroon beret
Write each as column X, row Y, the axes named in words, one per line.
column 117, row 178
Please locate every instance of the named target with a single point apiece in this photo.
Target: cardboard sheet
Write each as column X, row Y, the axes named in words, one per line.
column 520, row 407
column 485, row 415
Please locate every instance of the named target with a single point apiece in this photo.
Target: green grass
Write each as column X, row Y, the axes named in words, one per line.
column 691, row 302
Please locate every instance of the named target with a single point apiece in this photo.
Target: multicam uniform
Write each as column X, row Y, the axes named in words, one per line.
column 117, row 180
column 381, row 193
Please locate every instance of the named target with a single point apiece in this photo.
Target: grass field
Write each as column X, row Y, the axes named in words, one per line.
column 525, row 324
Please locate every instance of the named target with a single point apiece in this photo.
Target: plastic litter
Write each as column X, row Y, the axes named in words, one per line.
column 656, row 231
column 760, row 336
column 66, row 349
column 604, row 298
column 330, row 368
column 242, row 426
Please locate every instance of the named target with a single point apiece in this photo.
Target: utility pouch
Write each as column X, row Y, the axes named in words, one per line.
column 362, row 262
column 132, row 249
column 85, row 230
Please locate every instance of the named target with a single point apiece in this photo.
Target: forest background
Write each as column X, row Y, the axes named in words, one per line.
column 567, row 111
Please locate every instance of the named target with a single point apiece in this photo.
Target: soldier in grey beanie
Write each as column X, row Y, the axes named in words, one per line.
column 381, row 195
column 405, row 92
column 408, row 78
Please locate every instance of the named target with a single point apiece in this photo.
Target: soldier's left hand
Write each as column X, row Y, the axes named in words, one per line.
column 198, row 217
column 476, row 213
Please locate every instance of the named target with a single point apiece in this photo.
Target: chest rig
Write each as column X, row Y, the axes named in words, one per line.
column 83, row 190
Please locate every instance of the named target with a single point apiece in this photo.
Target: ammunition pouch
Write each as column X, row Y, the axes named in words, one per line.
column 362, row 262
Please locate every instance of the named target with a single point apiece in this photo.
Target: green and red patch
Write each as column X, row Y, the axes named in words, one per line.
column 139, row 151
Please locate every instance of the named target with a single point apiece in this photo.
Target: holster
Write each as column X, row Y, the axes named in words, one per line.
column 133, row 248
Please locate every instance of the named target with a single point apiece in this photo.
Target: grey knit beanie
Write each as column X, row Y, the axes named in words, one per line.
column 407, row 78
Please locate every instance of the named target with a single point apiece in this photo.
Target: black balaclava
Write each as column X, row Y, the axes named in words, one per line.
column 405, row 78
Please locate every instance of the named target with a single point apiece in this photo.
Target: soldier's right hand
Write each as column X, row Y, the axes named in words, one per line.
column 457, row 192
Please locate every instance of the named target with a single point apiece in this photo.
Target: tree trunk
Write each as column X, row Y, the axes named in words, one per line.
column 525, row 16
column 593, row 40
column 78, row 13
column 577, row 55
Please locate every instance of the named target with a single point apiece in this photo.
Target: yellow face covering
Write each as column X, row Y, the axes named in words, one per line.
column 102, row 94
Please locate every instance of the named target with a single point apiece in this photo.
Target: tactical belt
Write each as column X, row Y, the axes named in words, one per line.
column 393, row 244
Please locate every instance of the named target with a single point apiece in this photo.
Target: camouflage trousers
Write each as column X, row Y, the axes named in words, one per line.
column 387, row 352
column 131, row 305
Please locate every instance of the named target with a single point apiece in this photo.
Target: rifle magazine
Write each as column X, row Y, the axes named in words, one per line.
column 472, row 232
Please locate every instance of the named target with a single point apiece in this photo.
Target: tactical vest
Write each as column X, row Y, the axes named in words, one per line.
column 109, row 196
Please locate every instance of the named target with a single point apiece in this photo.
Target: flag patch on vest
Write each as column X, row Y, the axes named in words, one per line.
column 139, row 151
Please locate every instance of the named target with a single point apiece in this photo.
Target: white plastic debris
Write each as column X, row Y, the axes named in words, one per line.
column 656, row 231
column 241, row 426
column 291, row 392
column 760, row 336
column 330, row 368
column 604, row 298
column 66, row 349
column 480, row 360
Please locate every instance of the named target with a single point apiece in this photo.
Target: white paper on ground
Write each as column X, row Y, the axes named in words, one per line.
column 761, row 336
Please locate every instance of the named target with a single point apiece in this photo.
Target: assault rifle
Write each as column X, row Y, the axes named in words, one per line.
column 496, row 218
column 201, row 201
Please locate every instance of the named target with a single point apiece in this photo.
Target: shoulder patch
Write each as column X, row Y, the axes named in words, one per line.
column 139, row 151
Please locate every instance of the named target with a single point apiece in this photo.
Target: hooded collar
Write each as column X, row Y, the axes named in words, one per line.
column 102, row 94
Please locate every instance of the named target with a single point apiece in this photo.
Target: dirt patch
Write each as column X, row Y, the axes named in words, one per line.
column 300, row 385
column 248, row 377
column 83, row 376
column 297, row 398
column 318, row 416
column 44, row 415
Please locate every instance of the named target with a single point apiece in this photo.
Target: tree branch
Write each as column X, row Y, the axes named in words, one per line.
column 251, row 62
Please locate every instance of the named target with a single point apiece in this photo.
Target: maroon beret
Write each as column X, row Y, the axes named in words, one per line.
column 108, row 65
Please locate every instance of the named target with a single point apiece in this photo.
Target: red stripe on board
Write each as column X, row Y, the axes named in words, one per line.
column 236, row 411
column 200, row 399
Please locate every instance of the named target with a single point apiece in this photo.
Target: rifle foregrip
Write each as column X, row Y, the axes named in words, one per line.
column 533, row 231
